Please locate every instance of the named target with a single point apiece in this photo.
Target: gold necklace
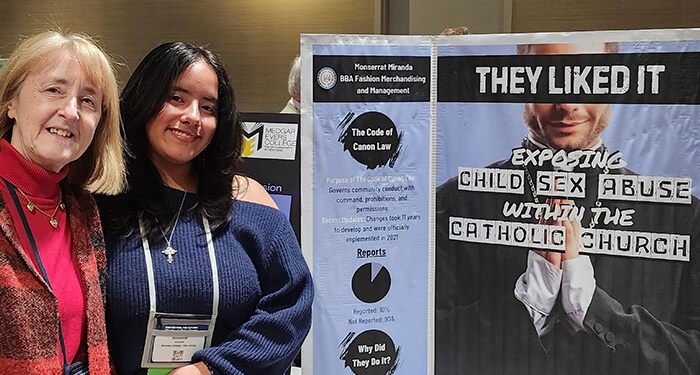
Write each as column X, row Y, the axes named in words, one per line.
column 31, row 207
column 169, row 250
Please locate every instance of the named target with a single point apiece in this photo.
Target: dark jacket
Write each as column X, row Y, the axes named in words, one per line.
column 644, row 317
column 29, row 336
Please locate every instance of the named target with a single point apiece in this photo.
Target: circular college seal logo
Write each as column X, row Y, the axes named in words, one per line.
column 327, row 78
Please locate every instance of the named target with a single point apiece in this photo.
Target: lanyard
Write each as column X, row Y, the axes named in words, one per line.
column 212, row 262
column 35, row 250
column 152, row 289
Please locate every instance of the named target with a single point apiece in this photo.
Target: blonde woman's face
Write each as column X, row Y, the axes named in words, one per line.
column 56, row 112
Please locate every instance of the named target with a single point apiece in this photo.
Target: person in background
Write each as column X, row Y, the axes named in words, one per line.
column 60, row 137
column 294, row 88
column 201, row 280
column 459, row 30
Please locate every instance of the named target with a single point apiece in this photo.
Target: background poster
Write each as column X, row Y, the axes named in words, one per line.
column 271, row 156
column 370, row 162
column 633, row 306
column 580, row 146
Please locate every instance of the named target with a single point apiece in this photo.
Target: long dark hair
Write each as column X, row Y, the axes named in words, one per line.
column 149, row 87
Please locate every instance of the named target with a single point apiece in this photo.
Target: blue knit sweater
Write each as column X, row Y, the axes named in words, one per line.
column 265, row 292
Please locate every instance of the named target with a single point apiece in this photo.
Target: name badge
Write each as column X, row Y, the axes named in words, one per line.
column 174, row 338
column 176, row 348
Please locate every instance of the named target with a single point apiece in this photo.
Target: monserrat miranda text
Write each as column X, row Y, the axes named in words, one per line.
column 383, row 78
column 572, row 185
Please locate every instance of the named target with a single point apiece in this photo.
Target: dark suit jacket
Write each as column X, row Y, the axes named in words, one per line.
column 644, row 317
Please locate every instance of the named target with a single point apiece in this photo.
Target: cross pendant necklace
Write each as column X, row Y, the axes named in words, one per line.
column 169, row 250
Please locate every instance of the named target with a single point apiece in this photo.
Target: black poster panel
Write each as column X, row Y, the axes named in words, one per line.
column 269, row 141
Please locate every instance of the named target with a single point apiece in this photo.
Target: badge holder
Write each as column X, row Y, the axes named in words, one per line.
column 171, row 338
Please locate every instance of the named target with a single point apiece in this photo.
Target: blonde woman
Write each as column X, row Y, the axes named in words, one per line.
column 59, row 124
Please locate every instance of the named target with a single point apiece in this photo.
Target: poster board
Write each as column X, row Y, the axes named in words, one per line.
column 271, row 156
column 513, row 152
column 372, row 206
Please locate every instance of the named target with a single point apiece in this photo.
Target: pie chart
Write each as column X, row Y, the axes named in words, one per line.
column 371, row 282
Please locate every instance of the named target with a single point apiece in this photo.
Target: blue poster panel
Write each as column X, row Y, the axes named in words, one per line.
column 371, row 204
column 566, row 215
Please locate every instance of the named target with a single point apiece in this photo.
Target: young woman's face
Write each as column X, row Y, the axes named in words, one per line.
column 56, row 112
column 185, row 125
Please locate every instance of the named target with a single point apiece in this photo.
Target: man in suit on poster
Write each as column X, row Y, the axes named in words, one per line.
column 502, row 309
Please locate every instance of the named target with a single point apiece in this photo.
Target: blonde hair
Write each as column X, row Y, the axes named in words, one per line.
column 459, row 30
column 101, row 168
